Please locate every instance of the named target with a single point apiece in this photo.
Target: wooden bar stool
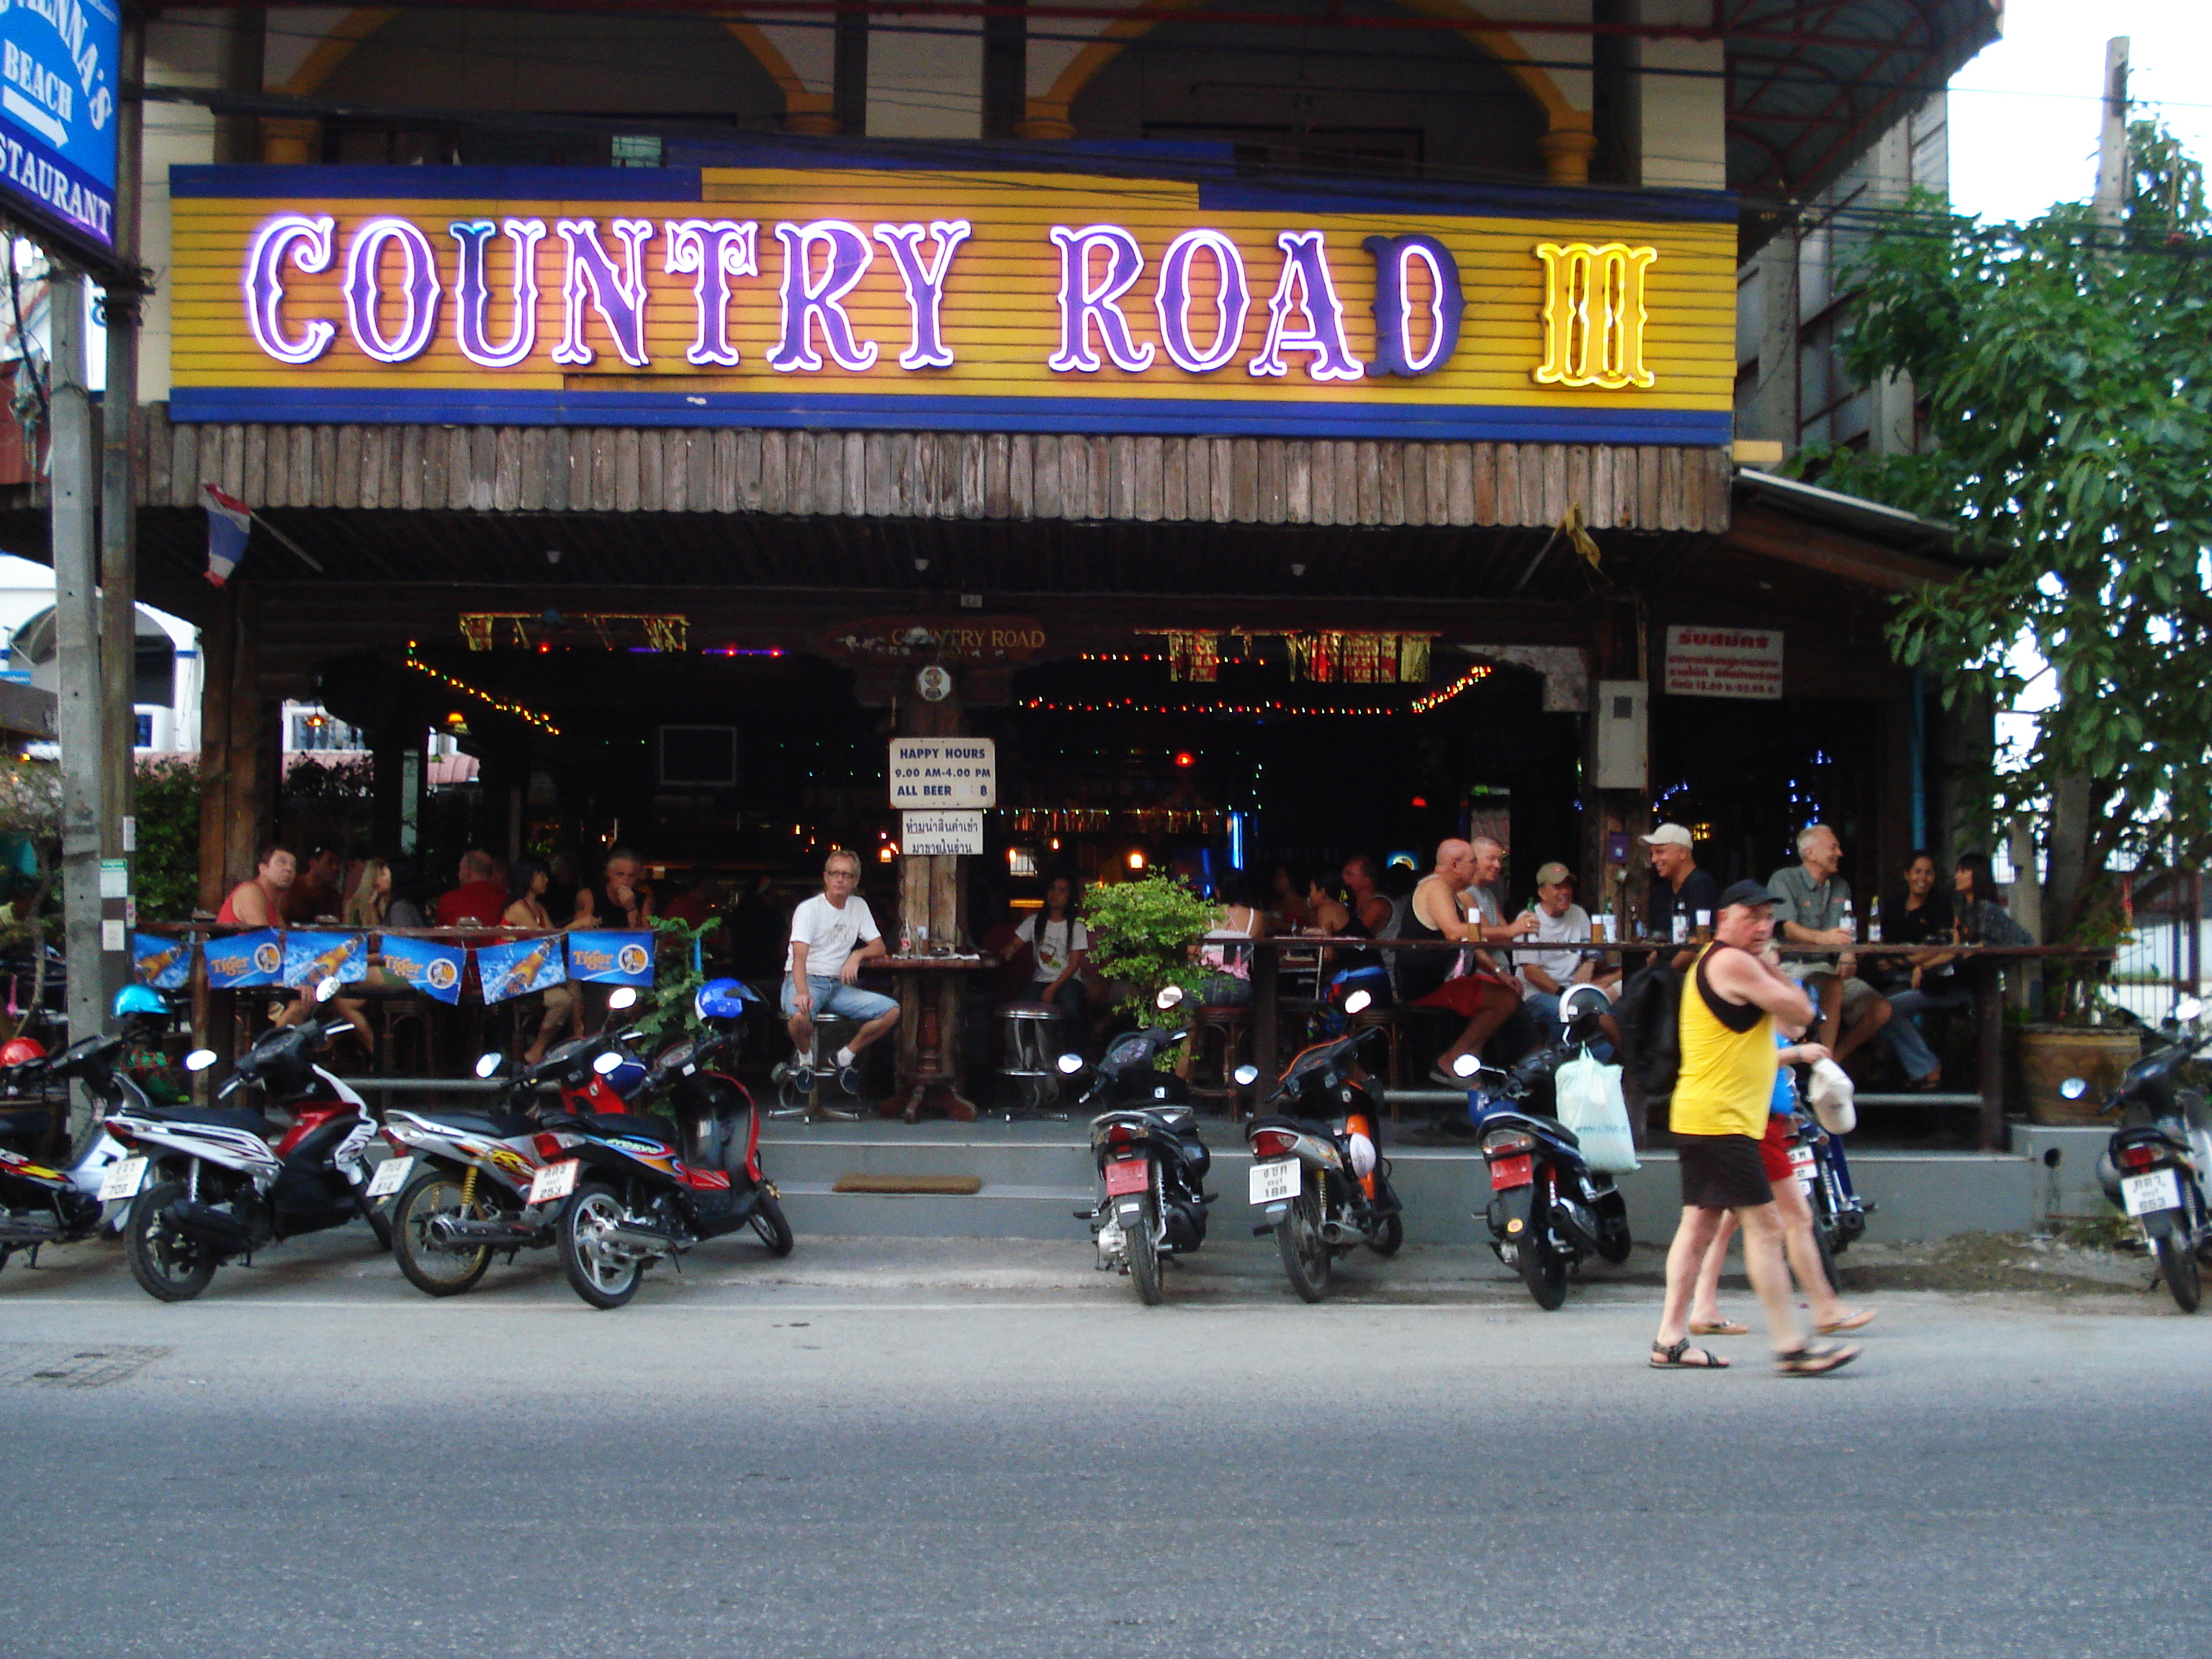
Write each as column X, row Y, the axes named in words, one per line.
column 1231, row 1025
column 1392, row 1023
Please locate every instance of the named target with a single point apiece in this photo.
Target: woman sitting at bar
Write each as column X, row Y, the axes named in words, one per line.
column 1916, row 915
column 1226, row 948
column 526, row 882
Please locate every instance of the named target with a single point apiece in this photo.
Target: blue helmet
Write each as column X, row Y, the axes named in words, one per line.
column 724, row 999
column 133, row 999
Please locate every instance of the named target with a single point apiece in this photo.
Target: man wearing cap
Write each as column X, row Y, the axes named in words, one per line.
column 1680, row 889
column 1546, row 974
column 1731, row 1004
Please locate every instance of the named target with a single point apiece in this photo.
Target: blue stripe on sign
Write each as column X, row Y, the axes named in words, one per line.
column 887, row 412
column 517, row 185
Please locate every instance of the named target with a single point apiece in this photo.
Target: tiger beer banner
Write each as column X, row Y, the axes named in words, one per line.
column 424, row 965
column 164, row 963
column 517, row 969
column 240, row 960
column 611, row 958
column 310, row 958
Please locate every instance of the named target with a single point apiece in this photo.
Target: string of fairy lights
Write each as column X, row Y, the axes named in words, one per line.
column 518, row 711
column 1423, row 704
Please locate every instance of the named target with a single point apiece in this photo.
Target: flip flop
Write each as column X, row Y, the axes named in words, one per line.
column 1814, row 1360
column 1675, row 1357
column 1721, row 1327
column 1857, row 1320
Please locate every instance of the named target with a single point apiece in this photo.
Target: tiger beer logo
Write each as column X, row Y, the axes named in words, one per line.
column 633, row 959
column 267, row 958
column 441, row 973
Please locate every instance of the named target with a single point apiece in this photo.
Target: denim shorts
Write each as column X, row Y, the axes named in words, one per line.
column 833, row 996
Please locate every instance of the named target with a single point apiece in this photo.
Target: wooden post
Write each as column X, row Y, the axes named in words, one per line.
column 1989, row 1011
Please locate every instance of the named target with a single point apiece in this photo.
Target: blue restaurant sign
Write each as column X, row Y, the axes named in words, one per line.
column 57, row 96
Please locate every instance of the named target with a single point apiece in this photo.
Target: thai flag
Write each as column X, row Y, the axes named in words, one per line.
column 229, row 522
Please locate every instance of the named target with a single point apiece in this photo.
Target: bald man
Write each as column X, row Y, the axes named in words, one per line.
column 1482, row 995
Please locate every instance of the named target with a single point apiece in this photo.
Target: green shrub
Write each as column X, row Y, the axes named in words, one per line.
column 1142, row 932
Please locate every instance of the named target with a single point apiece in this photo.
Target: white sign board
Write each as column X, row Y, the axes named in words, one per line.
column 1724, row 662
column 961, row 772
column 938, row 834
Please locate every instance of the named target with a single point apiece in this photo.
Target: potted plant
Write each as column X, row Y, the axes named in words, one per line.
column 1141, row 934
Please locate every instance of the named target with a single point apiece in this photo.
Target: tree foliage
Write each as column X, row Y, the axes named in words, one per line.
column 168, row 803
column 1141, row 932
column 2065, row 371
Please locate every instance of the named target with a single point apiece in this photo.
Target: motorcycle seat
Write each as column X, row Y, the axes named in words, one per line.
column 215, row 1117
column 499, row 1126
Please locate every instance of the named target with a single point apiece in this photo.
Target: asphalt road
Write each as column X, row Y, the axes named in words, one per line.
column 955, row 1448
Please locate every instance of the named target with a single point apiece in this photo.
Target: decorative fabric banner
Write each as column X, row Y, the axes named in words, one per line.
column 516, row 970
column 310, row 958
column 611, row 958
column 163, row 963
column 432, row 969
column 244, row 959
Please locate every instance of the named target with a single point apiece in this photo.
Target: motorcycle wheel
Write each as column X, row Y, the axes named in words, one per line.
column 768, row 1221
column 1542, row 1269
column 1145, row 1261
column 1389, row 1236
column 1305, row 1253
column 2177, row 1266
column 600, row 1273
column 432, row 1270
column 168, row 1267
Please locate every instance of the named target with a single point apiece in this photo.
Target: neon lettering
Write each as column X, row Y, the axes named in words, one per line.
column 1305, row 288
column 617, row 296
column 925, row 286
column 472, row 291
column 713, row 250
column 1594, row 315
column 846, row 257
column 305, row 241
column 364, row 292
column 1232, row 300
column 1083, row 303
column 1394, row 259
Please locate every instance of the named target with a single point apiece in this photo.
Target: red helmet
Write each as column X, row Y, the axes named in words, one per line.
column 21, row 1051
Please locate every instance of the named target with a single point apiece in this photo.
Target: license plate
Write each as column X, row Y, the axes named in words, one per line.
column 2158, row 1190
column 1512, row 1172
column 1277, row 1180
column 553, row 1180
column 390, row 1175
column 1801, row 1156
column 1131, row 1175
column 123, row 1180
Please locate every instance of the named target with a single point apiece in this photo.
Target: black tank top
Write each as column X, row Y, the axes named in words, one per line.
column 1420, row 972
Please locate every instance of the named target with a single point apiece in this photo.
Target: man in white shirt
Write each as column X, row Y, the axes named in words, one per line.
column 831, row 935
column 1544, row 975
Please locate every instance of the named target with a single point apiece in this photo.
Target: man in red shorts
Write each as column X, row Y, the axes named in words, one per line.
column 1481, row 995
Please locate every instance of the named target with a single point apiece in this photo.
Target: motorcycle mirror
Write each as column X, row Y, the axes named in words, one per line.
column 1466, row 1065
column 1069, row 1065
column 625, row 998
column 199, row 1060
column 1170, row 996
column 1246, row 1075
column 488, row 1064
column 1358, row 1002
column 2187, row 1009
column 326, row 988
column 2073, row 1089
column 606, row 1063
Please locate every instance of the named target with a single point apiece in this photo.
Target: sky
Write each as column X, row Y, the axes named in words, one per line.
column 2024, row 114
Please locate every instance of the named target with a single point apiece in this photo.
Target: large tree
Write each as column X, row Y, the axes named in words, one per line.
column 2064, row 369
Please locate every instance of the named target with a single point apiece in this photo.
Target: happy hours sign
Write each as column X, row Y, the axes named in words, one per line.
column 960, row 772
column 1724, row 662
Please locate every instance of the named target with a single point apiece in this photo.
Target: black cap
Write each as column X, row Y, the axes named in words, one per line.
column 1746, row 893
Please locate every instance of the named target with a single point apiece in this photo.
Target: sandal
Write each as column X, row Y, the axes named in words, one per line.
column 1815, row 1360
column 1721, row 1327
column 1857, row 1320
column 1675, row 1357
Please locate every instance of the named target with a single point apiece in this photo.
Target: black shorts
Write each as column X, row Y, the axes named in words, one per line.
column 1722, row 1172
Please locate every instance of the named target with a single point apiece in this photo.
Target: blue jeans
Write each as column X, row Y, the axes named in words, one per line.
column 832, row 996
column 1906, row 1041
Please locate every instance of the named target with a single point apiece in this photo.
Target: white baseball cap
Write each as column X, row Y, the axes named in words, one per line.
column 1666, row 834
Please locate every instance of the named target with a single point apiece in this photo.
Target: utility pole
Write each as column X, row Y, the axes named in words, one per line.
column 72, row 482
column 2112, row 196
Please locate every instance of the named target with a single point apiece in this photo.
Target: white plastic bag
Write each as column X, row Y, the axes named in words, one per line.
column 1590, row 1103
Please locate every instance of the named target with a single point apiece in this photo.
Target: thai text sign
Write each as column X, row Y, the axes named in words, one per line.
column 937, row 834
column 1724, row 662
column 941, row 772
column 1050, row 301
column 57, row 113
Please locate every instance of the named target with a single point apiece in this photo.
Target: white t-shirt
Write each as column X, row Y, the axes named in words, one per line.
column 829, row 934
column 1053, row 943
column 1562, row 965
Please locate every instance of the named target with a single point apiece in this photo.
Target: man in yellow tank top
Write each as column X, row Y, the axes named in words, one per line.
column 1731, row 999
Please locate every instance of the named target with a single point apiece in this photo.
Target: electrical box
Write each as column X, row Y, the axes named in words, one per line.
column 1621, row 749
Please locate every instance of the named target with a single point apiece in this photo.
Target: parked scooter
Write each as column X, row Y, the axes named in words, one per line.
column 1548, row 1208
column 1838, row 1218
column 2154, row 1166
column 1318, row 1172
column 212, row 1184
column 41, row 1205
column 1152, row 1159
